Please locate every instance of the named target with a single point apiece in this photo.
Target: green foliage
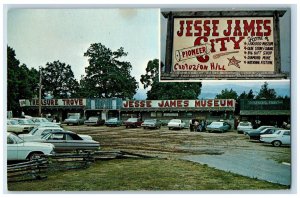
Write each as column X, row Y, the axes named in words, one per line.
column 106, row 75
column 227, row 94
column 266, row 93
column 167, row 90
column 243, row 95
column 58, row 79
column 21, row 82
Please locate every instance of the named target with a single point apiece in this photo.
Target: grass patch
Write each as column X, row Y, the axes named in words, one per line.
column 144, row 175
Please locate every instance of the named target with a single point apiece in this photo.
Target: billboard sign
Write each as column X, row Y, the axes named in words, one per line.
column 223, row 44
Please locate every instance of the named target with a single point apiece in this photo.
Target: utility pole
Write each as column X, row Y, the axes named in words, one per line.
column 40, row 93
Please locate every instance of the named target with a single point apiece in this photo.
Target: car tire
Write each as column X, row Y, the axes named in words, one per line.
column 169, row 128
column 34, row 155
column 276, row 143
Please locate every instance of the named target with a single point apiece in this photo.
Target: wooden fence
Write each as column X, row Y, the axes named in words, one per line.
column 38, row 168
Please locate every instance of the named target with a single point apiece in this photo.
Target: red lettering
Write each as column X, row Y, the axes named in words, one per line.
column 259, row 28
column 81, row 102
column 179, row 103
column 173, row 103
column 209, row 103
column 189, row 28
column 249, row 27
column 136, row 104
column 142, row 104
column 222, row 103
column 161, row 104
column 216, row 103
column 180, row 33
column 229, row 103
column 228, row 32
column 205, row 58
column 126, row 104
column 131, row 104
column 186, row 103
column 267, row 27
column 149, row 103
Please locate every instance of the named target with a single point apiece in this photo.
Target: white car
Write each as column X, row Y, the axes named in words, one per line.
column 44, row 121
column 176, row 124
column 278, row 138
column 244, row 126
column 17, row 149
column 15, row 127
column 25, row 121
column 38, row 132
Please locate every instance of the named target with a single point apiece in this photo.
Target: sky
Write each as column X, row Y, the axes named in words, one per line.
column 39, row 36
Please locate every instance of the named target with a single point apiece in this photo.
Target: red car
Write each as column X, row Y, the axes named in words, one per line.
column 133, row 122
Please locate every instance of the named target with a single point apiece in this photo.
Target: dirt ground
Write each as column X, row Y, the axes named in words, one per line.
column 173, row 143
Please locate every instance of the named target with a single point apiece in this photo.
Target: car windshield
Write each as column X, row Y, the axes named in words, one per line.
column 132, row 120
column 112, row 119
column 149, row 121
column 12, row 122
column 16, row 139
column 33, row 131
column 176, row 121
column 244, row 124
column 73, row 117
column 42, row 120
column 217, row 123
column 93, row 118
column 26, row 122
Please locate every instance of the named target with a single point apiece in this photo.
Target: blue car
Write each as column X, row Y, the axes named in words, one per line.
column 113, row 122
column 218, row 127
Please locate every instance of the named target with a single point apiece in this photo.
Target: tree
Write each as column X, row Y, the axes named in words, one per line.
column 12, row 78
column 167, row 90
column 227, row 94
column 243, row 95
column 266, row 93
column 58, row 78
column 21, row 81
column 106, row 75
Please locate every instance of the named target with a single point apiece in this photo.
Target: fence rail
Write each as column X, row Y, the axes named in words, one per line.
column 39, row 167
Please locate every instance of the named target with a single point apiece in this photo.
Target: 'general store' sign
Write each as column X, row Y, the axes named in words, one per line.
column 215, row 103
column 223, row 44
column 54, row 102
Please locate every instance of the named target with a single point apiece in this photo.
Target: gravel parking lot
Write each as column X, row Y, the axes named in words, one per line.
column 228, row 151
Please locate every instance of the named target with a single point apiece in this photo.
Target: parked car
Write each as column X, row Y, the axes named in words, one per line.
column 74, row 120
column 151, row 123
column 242, row 126
column 94, row 121
column 259, row 129
column 218, row 126
column 19, row 150
column 176, row 124
column 133, row 122
column 255, row 135
column 25, row 121
column 66, row 141
column 15, row 127
column 44, row 121
column 113, row 122
column 278, row 138
column 38, row 133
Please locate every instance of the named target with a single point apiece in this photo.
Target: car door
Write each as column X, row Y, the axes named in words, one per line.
column 57, row 139
column 286, row 137
column 12, row 149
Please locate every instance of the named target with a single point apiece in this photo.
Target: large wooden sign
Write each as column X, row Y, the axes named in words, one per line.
column 220, row 45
